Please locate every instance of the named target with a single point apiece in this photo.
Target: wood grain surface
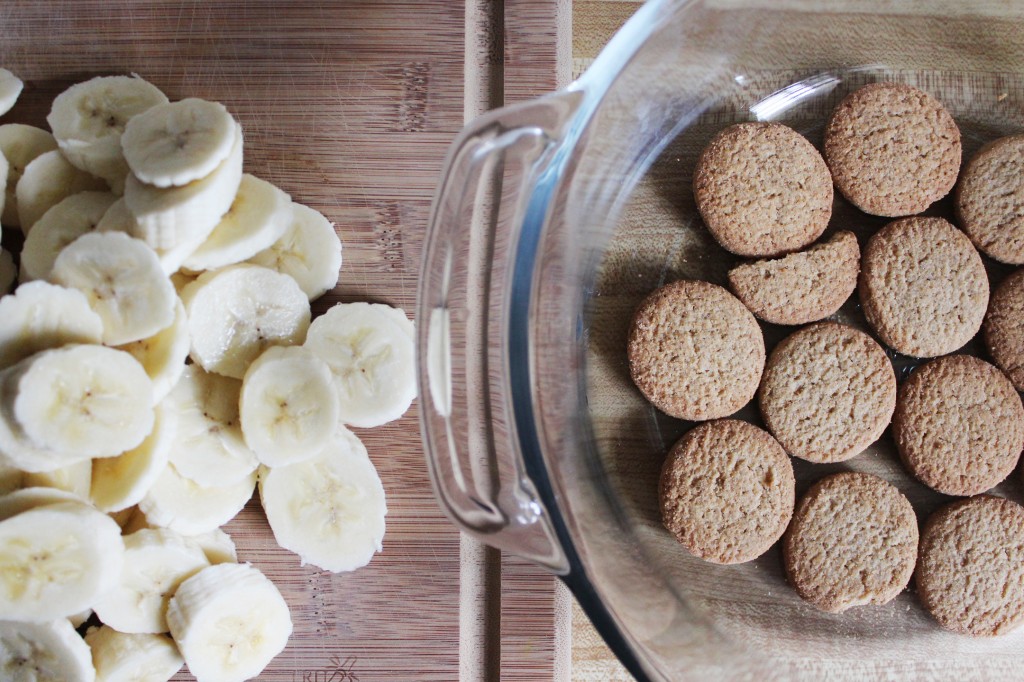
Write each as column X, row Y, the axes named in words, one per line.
column 349, row 107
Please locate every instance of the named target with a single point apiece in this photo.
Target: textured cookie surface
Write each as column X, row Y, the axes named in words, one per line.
column 990, row 199
column 828, row 392
column 959, row 425
column 893, row 150
column 695, row 351
column 853, row 541
column 727, row 491
column 801, row 287
column 970, row 576
column 1004, row 328
column 923, row 286
column 762, row 189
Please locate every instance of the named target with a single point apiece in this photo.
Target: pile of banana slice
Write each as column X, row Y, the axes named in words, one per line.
column 158, row 362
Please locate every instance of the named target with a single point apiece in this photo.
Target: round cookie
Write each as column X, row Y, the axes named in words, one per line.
column 990, row 199
column 801, row 287
column 893, row 150
column 959, row 425
column 970, row 576
column 1003, row 328
column 726, row 491
column 762, row 189
column 853, row 541
column 695, row 351
column 828, row 392
column 923, row 286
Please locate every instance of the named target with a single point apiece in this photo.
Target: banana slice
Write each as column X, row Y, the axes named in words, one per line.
column 10, row 89
column 209, row 447
column 119, row 219
column 24, row 499
column 74, row 478
column 20, row 145
column 257, row 218
column 229, row 621
column 16, row 450
column 81, row 401
column 173, row 144
column 124, row 657
column 123, row 281
column 59, row 226
column 156, row 561
column 177, row 503
column 163, row 355
column 89, row 118
column 309, row 251
column 329, row 509
column 217, row 545
column 237, row 312
column 8, row 271
column 44, row 652
column 57, row 560
column 170, row 217
column 39, row 316
column 47, row 179
column 118, row 483
column 372, row 357
column 288, row 405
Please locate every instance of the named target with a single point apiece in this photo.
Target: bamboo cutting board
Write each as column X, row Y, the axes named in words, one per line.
column 349, row 107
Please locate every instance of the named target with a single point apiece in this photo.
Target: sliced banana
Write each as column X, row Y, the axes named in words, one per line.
column 24, row 499
column 40, row 315
column 20, row 144
column 173, row 144
column 177, row 503
column 10, row 89
column 74, row 216
column 156, row 561
column 257, row 218
column 47, row 179
column 82, row 401
column 329, row 509
column 163, row 355
column 217, row 545
column 288, row 405
column 44, row 652
column 309, row 251
column 372, row 357
column 124, row 657
column 74, row 478
column 123, row 281
column 16, row 448
column 119, row 219
column 237, row 312
column 172, row 216
column 229, row 621
column 89, row 118
column 118, row 483
column 57, row 560
column 8, row 271
column 209, row 447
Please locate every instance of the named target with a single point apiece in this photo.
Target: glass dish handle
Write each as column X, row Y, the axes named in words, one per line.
column 467, row 409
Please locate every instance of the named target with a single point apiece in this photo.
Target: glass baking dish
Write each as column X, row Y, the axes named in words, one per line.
column 553, row 220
